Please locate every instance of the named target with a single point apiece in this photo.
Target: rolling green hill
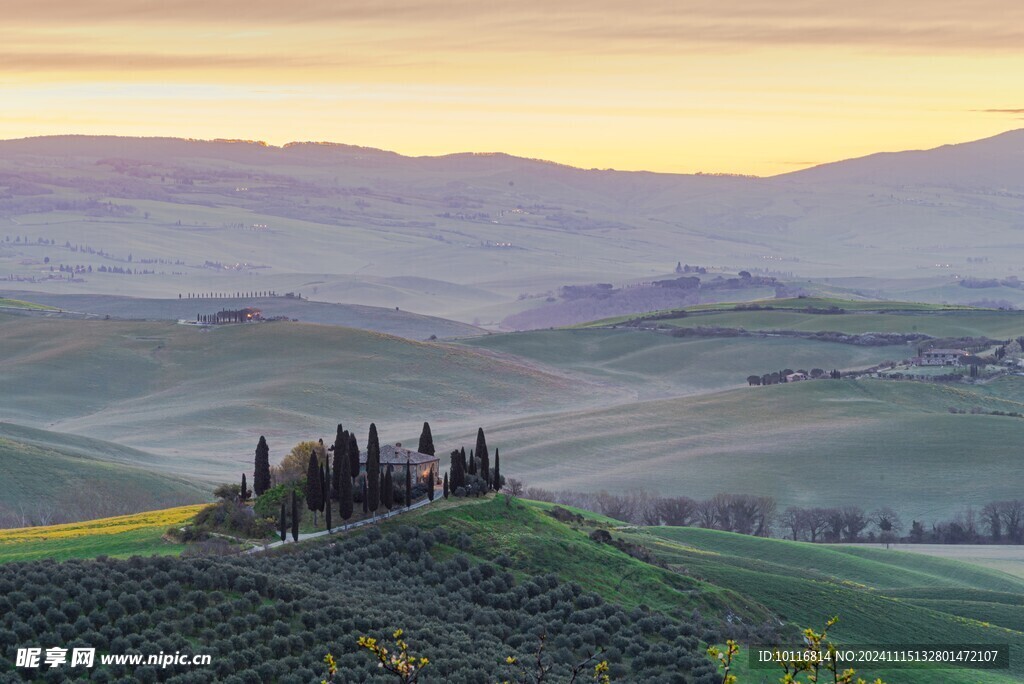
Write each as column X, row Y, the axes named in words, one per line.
column 46, row 476
column 993, row 324
column 860, row 317
column 806, row 584
column 8, row 303
column 377, row 319
column 881, row 597
column 203, row 397
column 658, row 365
column 870, row 443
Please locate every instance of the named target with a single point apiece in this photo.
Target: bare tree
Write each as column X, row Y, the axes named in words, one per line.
column 538, row 494
column 1012, row 514
column 513, row 490
column 888, row 523
column 992, row 519
column 676, row 511
column 795, row 520
column 854, row 522
column 704, row 514
column 816, row 521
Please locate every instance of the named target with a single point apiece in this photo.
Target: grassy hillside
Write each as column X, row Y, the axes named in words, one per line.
column 49, row 477
column 860, row 317
column 295, row 604
column 657, row 365
column 880, row 596
column 205, row 397
column 7, row 303
column 119, row 537
column 993, row 324
column 391, row 320
column 749, row 578
column 868, row 443
column 806, row 584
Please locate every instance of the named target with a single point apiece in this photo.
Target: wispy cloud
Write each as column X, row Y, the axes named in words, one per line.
column 572, row 24
column 1000, row 111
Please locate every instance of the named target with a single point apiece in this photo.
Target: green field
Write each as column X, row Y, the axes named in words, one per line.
column 657, row 365
column 869, row 443
column 49, row 476
column 806, row 584
column 119, row 537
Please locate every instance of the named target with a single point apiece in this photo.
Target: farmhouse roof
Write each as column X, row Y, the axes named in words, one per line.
column 396, row 454
column 947, row 351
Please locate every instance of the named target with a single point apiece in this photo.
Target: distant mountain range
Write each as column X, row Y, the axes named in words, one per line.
column 481, row 237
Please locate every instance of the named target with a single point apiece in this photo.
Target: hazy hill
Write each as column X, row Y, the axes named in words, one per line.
column 376, row 319
column 50, row 477
column 994, row 164
column 481, row 237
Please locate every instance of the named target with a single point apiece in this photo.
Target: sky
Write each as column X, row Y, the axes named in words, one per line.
column 717, row 86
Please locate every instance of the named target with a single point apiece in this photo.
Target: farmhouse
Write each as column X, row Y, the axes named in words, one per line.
column 398, row 457
column 942, row 357
column 246, row 315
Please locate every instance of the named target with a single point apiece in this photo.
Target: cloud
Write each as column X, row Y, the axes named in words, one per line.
column 1000, row 111
column 574, row 25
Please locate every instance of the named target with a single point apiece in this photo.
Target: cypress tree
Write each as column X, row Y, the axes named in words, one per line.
column 314, row 487
column 373, row 469
column 444, row 486
column 497, row 471
column 353, row 455
column 472, row 464
column 430, row 485
column 388, row 489
column 408, row 484
column 483, row 456
column 366, row 507
column 325, row 478
column 242, row 494
column 327, row 498
column 284, row 525
column 340, row 449
column 426, row 441
column 345, row 491
column 295, row 517
column 454, row 470
column 261, row 477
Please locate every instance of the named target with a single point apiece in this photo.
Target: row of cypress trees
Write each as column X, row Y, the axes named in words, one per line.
column 325, row 483
column 478, row 464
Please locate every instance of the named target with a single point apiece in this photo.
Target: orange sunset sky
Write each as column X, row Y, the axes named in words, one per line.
column 740, row 86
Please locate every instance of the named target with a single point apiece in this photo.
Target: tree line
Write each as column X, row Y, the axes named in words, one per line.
column 741, row 513
column 781, row 376
column 998, row 522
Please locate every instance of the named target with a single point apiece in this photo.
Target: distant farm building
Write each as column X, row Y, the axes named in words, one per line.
column 796, row 377
column 247, row 315
column 942, row 357
column 398, row 457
